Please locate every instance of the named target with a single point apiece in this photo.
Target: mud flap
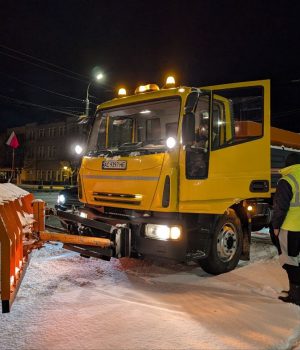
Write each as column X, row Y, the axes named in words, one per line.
column 246, row 241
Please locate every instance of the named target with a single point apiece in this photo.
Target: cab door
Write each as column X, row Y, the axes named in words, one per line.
column 233, row 163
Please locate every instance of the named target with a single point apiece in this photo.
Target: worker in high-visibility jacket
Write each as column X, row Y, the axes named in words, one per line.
column 286, row 224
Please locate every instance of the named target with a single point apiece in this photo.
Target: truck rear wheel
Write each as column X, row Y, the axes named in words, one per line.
column 226, row 246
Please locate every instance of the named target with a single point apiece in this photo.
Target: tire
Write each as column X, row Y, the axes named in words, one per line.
column 226, row 245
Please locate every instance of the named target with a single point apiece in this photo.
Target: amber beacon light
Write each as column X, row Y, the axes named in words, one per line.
column 170, row 81
column 122, row 92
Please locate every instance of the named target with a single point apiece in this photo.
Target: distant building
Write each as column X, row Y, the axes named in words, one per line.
column 47, row 151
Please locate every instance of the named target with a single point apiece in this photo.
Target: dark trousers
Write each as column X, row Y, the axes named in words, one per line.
column 288, row 246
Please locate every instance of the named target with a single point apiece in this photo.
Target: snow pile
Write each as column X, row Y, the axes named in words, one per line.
column 69, row 302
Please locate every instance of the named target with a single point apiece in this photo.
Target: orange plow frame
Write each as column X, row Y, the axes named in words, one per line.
column 15, row 221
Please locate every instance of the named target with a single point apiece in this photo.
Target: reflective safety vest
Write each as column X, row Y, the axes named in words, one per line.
column 291, row 174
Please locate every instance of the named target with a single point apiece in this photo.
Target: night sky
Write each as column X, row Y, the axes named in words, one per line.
column 57, row 45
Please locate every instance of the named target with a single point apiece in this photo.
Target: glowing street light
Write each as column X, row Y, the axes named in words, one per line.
column 98, row 77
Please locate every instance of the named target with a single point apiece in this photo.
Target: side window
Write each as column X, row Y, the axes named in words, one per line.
column 202, row 124
column 237, row 116
column 197, row 155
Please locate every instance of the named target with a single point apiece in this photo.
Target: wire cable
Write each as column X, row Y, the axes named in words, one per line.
column 43, row 61
column 46, row 68
column 40, row 88
column 52, row 70
column 46, row 90
column 37, row 106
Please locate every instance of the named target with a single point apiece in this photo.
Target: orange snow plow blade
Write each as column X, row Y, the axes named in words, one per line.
column 15, row 223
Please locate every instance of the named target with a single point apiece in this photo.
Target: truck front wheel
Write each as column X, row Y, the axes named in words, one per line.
column 226, row 245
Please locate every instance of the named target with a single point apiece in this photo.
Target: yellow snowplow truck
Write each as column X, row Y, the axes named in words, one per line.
column 183, row 173
column 177, row 173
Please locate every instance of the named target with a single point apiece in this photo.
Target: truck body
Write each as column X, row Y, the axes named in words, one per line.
column 184, row 173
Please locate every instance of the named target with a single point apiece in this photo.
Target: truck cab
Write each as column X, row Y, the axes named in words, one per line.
column 186, row 170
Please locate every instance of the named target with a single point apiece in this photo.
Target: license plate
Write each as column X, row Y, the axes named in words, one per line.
column 114, row 164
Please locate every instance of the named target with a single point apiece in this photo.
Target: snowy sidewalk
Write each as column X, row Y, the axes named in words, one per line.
column 68, row 302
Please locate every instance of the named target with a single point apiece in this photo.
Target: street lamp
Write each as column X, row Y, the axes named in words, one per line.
column 98, row 77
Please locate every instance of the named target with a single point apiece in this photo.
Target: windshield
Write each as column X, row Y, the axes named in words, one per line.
column 139, row 126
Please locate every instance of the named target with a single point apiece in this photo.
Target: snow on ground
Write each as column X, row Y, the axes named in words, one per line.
column 69, row 302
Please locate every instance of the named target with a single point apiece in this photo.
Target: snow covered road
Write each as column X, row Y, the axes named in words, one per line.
column 69, row 302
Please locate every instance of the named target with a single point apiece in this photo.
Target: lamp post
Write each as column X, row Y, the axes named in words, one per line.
column 98, row 77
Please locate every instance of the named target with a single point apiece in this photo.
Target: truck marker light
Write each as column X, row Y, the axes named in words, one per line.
column 171, row 142
column 122, row 92
column 146, row 88
column 170, row 81
column 142, row 88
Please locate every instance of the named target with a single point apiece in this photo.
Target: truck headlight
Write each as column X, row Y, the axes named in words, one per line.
column 61, row 199
column 162, row 232
column 171, row 142
column 175, row 232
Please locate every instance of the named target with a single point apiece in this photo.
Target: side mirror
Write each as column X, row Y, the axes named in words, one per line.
column 191, row 102
column 86, row 122
column 188, row 128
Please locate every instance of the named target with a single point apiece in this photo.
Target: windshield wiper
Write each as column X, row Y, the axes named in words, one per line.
column 98, row 152
column 129, row 146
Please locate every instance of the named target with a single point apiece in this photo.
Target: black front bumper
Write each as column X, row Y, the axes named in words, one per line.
column 127, row 235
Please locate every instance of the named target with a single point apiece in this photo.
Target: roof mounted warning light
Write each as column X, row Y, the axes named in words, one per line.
column 146, row 88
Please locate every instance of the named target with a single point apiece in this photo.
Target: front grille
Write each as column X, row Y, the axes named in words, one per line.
column 72, row 202
column 120, row 198
column 114, row 195
column 116, row 211
column 116, row 201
